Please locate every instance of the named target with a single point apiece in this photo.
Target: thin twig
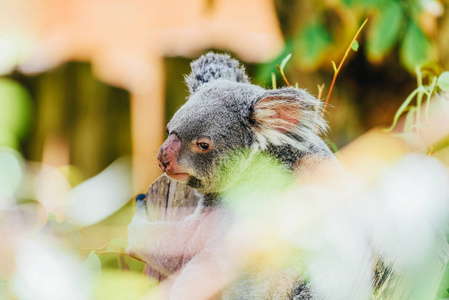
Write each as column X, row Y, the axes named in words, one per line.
column 318, row 106
column 337, row 71
column 283, row 75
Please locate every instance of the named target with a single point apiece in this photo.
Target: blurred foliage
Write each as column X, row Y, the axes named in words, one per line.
column 69, row 109
column 67, row 118
column 436, row 82
column 399, row 36
column 325, row 27
column 15, row 113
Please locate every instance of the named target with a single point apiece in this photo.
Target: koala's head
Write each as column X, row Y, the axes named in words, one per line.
column 226, row 114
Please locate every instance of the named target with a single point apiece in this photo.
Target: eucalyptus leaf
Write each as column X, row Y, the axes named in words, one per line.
column 311, row 44
column 416, row 48
column 263, row 72
column 443, row 81
column 92, row 263
column 285, row 60
column 384, row 30
column 109, row 260
column 402, row 109
column 355, row 46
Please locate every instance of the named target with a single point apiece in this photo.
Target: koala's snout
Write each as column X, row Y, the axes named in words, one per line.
column 167, row 157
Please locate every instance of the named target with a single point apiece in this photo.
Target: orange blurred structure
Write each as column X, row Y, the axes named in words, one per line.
column 126, row 40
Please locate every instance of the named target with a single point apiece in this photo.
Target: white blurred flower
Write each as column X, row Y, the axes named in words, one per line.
column 102, row 195
column 46, row 272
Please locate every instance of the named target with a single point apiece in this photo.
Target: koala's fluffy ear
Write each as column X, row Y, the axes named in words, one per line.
column 212, row 66
column 286, row 110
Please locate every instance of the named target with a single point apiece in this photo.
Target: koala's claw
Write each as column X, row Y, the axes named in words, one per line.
column 141, row 197
column 141, row 202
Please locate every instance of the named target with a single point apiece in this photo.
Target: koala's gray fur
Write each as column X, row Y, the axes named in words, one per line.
column 241, row 119
column 211, row 67
column 224, row 106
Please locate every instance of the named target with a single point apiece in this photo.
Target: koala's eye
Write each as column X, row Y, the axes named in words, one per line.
column 202, row 145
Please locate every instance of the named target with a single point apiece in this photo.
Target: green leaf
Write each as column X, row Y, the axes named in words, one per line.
column 263, row 71
column 355, row 46
column 247, row 174
column 311, row 44
column 284, row 61
column 109, row 260
column 443, row 81
column 92, row 263
column 402, row 109
column 332, row 145
column 416, row 48
column 384, row 30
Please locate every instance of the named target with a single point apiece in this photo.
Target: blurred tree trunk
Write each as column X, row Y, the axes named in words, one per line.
column 79, row 120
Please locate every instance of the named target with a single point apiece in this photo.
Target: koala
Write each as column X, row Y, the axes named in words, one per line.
column 214, row 140
column 226, row 114
column 225, row 117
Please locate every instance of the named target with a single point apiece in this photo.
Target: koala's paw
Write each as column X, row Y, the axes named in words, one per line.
column 141, row 203
column 141, row 198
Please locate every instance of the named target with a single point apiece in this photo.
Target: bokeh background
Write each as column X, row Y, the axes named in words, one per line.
column 87, row 86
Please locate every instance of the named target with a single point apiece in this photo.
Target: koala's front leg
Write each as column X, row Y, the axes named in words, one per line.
column 203, row 277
